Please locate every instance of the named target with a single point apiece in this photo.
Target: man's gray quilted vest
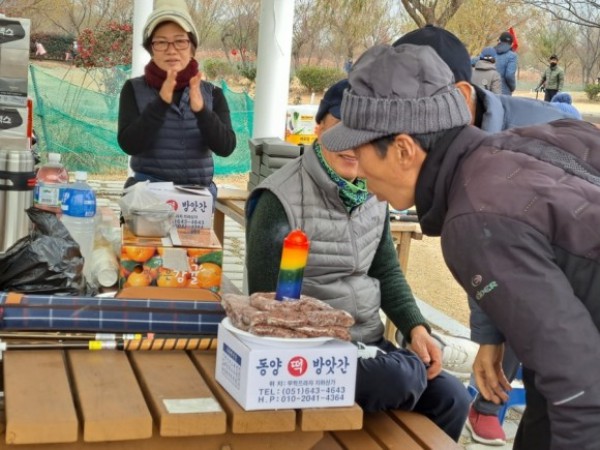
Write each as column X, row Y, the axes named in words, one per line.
column 342, row 244
column 179, row 153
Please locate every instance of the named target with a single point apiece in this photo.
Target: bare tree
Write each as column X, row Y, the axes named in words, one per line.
column 73, row 16
column 240, row 27
column 19, row 8
column 579, row 12
column 24, row 8
column 479, row 23
column 353, row 25
column 432, row 12
column 206, row 14
column 308, row 30
column 587, row 49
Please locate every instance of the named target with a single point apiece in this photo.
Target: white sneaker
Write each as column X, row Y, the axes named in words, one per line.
column 458, row 354
column 368, row 351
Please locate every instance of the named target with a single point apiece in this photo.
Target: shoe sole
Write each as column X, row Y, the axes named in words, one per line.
column 477, row 438
column 463, row 376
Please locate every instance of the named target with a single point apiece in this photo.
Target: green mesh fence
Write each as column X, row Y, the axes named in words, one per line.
column 76, row 114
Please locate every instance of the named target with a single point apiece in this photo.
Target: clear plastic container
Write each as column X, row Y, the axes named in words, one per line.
column 79, row 211
column 51, row 180
column 104, row 266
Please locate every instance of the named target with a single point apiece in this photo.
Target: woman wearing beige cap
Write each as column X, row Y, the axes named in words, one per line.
column 170, row 121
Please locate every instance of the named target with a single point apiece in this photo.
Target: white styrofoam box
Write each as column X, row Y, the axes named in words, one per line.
column 13, row 122
column 15, row 33
column 267, row 377
column 19, row 144
column 14, row 63
column 13, row 92
column 193, row 207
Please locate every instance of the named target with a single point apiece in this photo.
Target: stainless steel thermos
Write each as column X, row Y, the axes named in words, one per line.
column 17, row 180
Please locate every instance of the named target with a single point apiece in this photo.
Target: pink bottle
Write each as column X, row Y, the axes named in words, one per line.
column 51, row 179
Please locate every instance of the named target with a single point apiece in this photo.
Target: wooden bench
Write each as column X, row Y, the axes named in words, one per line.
column 106, row 400
column 390, row 430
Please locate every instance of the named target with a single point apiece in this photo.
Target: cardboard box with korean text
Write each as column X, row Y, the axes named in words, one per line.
column 268, row 377
column 193, row 206
column 184, row 259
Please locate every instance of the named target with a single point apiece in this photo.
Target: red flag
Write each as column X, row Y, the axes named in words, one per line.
column 515, row 43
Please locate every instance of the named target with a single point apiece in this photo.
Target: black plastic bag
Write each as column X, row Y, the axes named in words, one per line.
column 47, row 261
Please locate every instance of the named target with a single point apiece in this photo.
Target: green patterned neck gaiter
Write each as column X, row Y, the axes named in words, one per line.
column 352, row 194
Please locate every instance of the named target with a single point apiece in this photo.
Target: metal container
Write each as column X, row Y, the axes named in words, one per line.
column 3, row 160
column 152, row 222
column 17, row 183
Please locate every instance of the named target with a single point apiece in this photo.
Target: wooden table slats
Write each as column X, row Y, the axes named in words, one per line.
column 172, row 377
column 415, row 423
column 242, row 421
column 109, row 398
column 382, row 428
column 345, row 418
column 40, row 405
column 116, row 400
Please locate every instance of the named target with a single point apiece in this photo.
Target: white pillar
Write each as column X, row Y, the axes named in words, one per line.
column 273, row 67
column 139, row 56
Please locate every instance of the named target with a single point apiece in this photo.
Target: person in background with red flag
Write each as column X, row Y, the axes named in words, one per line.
column 515, row 44
column 506, row 62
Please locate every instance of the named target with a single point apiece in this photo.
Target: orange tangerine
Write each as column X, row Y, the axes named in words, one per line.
column 138, row 278
column 195, row 252
column 172, row 278
column 208, row 275
column 139, row 254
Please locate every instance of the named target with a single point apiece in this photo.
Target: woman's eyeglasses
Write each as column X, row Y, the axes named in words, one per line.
column 162, row 46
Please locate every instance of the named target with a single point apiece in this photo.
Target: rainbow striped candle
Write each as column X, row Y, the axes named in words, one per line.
column 293, row 262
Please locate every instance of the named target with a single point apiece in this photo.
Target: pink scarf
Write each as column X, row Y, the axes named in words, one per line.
column 155, row 76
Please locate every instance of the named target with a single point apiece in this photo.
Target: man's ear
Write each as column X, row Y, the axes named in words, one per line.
column 406, row 150
column 467, row 92
column 318, row 129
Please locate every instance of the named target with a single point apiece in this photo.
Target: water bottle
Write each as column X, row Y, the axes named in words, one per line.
column 50, row 181
column 79, row 211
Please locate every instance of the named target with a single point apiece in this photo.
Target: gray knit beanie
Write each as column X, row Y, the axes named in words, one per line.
column 394, row 90
column 171, row 11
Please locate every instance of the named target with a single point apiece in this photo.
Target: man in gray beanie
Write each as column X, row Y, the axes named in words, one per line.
column 491, row 113
column 517, row 220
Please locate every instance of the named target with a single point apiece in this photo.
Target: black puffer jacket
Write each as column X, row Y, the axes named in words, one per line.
column 519, row 217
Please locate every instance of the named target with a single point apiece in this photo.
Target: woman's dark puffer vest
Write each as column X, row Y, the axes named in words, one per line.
column 179, row 153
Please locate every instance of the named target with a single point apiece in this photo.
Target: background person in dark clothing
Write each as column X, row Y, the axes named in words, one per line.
column 552, row 80
column 506, row 63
